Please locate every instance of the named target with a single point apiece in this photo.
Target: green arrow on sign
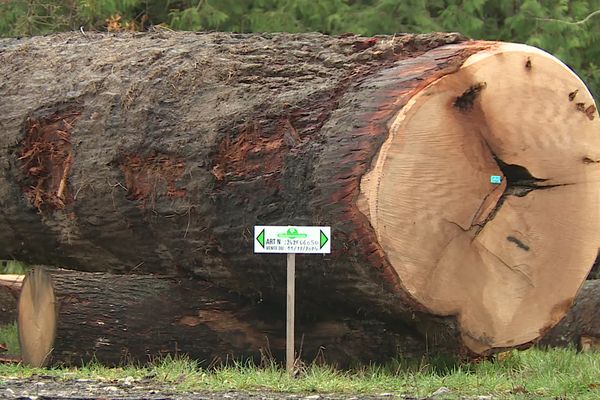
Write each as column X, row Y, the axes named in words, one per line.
column 261, row 238
column 324, row 239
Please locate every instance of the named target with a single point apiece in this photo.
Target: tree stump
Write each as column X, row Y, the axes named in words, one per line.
column 157, row 153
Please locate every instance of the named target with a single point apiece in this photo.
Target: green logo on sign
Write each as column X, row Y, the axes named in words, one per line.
column 292, row 233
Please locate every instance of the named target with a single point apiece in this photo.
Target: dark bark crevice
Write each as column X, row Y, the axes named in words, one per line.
column 595, row 272
column 580, row 324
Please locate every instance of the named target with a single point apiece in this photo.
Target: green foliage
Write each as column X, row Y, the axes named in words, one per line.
column 201, row 14
column 38, row 17
column 13, row 267
column 32, row 17
column 558, row 26
column 93, row 13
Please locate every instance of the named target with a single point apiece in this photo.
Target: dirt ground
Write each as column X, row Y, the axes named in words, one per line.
column 42, row 387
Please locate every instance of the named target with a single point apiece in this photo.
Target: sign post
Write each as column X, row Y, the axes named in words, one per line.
column 289, row 324
column 291, row 240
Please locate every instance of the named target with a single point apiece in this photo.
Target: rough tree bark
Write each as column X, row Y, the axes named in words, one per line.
column 580, row 328
column 113, row 320
column 8, row 306
column 105, row 318
column 157, row 153
column 10, row 288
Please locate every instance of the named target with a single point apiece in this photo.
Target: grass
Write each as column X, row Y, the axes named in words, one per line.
column 13, row 267
column 530, row 374
column 10, row 337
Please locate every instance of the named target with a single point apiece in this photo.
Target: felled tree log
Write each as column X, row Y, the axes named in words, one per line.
column 73, row 317
column 580, row 328
column 157, row 153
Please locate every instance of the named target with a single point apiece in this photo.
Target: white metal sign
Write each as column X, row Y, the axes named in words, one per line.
column 292, row 239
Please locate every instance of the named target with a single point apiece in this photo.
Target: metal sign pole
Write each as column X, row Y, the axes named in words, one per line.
column 291, row 277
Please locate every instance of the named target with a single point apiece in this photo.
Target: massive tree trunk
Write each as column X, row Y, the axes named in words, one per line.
column 157, row 153
column 75, row 317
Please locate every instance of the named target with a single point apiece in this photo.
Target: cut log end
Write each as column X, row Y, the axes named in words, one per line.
column 37, row 318
column 507, row 259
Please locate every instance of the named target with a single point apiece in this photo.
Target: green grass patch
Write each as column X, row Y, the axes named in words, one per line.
column 13, row 267
column 10, row 337
column 530, row 374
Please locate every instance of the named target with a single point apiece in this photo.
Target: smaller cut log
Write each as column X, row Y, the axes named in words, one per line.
column 115, row 319
column 37, row 317
column 580, row 328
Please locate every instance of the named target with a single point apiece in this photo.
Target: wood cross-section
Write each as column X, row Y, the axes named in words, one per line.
column 506, row 259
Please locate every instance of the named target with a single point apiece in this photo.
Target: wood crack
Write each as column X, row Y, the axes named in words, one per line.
column 519, row 182
column 514, row 268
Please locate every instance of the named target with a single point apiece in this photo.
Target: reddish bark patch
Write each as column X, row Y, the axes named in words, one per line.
column 149, row 177
column 364, row 44
column 47, row 157
column 253, row 152
column 189, row 320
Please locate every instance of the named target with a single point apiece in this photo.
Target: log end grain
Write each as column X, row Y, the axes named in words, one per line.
column 507, row 259
column 37, row 318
